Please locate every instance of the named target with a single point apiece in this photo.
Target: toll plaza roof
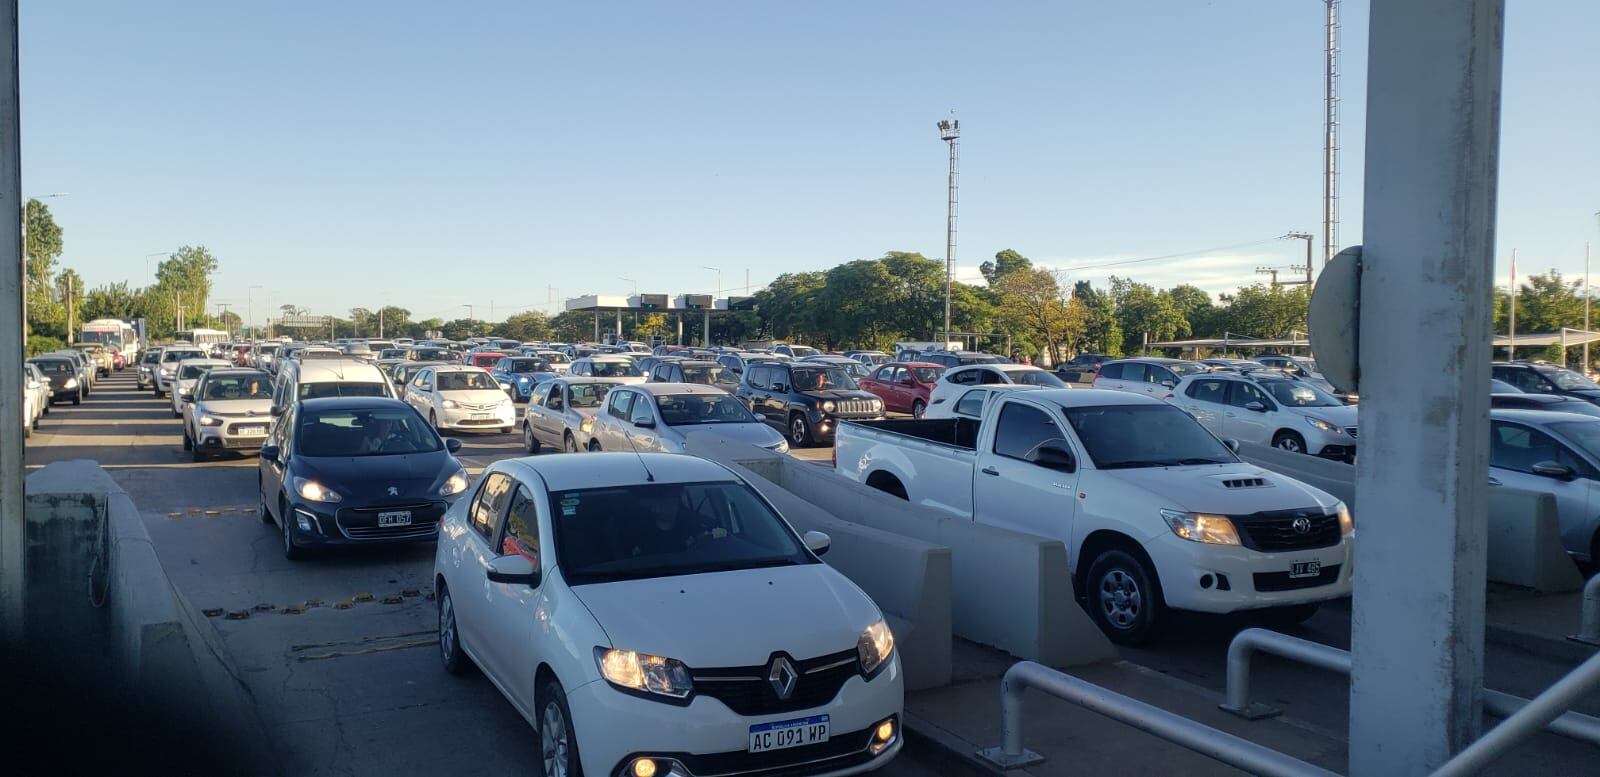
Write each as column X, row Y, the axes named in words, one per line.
column 680, row 303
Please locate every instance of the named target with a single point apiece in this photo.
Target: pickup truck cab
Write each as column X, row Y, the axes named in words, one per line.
column 1155, row 511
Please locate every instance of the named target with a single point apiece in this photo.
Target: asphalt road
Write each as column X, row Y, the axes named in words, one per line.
column 346, row 682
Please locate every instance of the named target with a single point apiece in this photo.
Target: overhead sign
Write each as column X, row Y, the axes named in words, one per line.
column 698, row 301
column 741, row 303
column 304, row 322
column 653, row 301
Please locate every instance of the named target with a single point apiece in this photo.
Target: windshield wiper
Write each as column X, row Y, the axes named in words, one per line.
column 1201, row 461
column 1132, row 463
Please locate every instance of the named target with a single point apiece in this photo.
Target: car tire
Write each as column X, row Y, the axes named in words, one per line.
column 160, row 393
column 530, row 442
column 918, row 408
column 262, row 511
column 188, row 442
column 291, row 551
column 1289, row 441
column 1293, row 615
column 433, row 420
column 77, row 400
column 27, row 432
column 1124, row 597
column 571, row 444
column 507, row 429
column 450, row 653
column 594, row 446
column 558, row 749
column 799, row 430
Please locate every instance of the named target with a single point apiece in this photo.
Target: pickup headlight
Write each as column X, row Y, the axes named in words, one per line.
column 644, row 673
column 1324, row 425
column 1347, row 525
column 450, row 404
column 874, row 647
column 827, row 406
column 71, row 383
column 210, row 420
column 314, row 491
column 455, row 485
column 1201, row 527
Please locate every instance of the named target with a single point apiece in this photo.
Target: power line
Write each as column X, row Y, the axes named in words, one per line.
column 1122, row 262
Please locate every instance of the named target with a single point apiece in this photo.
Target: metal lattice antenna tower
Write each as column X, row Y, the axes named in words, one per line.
column 1330, row 140
column 950, row 132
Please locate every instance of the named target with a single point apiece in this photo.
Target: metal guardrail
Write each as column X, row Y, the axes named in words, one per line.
column 1205, row 740
column 1247, row 643
column 1542, row 711
column 1589, row 629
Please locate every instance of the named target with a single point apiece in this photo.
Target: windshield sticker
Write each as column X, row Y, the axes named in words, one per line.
column 569, row 505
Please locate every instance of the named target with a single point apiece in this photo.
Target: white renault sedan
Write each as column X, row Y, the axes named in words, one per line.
column 461, row 396
column 653, row 614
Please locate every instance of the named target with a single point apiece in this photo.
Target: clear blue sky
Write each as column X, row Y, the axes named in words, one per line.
column 352, row 153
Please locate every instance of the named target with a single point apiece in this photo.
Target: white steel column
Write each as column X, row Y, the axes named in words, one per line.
column 13, row 527
column 1433, row 113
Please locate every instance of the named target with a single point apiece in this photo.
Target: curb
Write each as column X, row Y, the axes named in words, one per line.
column 957, row 756
column 1538, row 644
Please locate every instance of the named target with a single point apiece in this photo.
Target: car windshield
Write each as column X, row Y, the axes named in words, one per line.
column 588, row 394
column 466, row 381
column 1293, row 393
column 615, row 370
column 802, row 351
column 1128, row 436
column 1035, row 378
column 342, row 388
column 696, row 409
column 1568, row 380
column 56, row 366
column 554, row 357
column 927, row 374
column 150, row 357
column 365, row 432
column 429, row 354
column 223, row 387
column 663, row 529
column 821, row 379
column 705, row 375
column 193, row 371
column 1585, row 435
column 178, row 356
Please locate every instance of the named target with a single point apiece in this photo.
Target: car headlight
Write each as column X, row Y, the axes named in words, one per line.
column 1201, row 527
column 874, row 647
column 450, row 404
column 828, row 406
column 644, row 673
column 782, row 446
column 166, row 371
column 1347, row 524
column 455, row 485
column 314, row 491
column 1324, row 425
column 587, row 425
column 71, row 383
column 524, row 379
column 210, row 420
column 877, row 405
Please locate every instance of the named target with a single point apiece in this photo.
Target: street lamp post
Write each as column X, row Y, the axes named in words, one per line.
column 718, row 271
column 950, row 133
column 252, row 312
column 635, row 285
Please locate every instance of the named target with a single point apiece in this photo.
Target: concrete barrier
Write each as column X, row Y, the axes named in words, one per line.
column 1010, row 590
column 1524, row 531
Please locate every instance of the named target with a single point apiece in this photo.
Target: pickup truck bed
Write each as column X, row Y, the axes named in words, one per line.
column 954, row 432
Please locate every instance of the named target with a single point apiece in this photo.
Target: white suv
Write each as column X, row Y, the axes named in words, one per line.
column 672, row 627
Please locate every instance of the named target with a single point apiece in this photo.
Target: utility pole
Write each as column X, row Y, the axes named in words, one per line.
column 1269, row 271
column 13, row 296
column 1330, row 139
column 1511, row 347
column 950, row 133
column 71, row 313
column 1585, row 308
column 1309, row 238
column 380, row 322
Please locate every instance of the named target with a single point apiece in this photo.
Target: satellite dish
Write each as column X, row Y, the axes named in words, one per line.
column 1335, row 320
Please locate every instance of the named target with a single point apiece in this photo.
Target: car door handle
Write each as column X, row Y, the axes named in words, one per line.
column 990, row 471
column 1494, row 481
column 1227, row 415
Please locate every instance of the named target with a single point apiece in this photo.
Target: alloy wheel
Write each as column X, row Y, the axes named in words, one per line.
column 553, row 740
column 1120, row 598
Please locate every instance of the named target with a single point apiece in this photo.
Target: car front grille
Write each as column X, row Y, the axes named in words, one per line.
column 856, row 407
column 1275, row 530
column 1350, row 430
column 361, row 523
column 477, row 408
column 841, row 751
column 1269, row 582
column 746, row 691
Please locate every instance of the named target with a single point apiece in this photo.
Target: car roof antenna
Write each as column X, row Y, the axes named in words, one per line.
column 649, row 477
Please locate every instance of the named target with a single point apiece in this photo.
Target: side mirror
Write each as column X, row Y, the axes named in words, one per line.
column 645, row 423
column 1055, row 456
column 187, row 396
column 1169, row 383
column 515, row 569
column 1255, row 407
column 1233, row 445
column 1551, row 469
column 270, row 452
column 452, row 444
column 276, row 410
column 779, row 387
column 817, row 542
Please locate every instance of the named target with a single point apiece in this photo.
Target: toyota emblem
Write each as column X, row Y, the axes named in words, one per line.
column 394, row 491
column 1302, row 525
column 782, row 676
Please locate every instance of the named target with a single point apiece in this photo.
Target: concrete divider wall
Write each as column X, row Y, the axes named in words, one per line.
column 1010, row 590
column 1524, row 531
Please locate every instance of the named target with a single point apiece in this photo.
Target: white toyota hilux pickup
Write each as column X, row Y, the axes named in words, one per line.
column 1156, row 512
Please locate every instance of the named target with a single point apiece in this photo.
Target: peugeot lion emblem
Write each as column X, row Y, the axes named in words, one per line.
column 393, row 491
column 1302, row 525
column 782, row 676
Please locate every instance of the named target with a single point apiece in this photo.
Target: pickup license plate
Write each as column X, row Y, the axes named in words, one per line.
column 250, row 431
column 396, row 518
column 1305, row 569
column 784, row 734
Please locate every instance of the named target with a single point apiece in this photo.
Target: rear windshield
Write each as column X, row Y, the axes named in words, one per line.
column 429, row 354
column 193, row 371
column 616, row 370
column 524, row 365
column 697, row 409
column 367, row 432
column 224, row 387
column 554, row 357
column 342, row 388
column 309, row 355
column 178, row 356
column 589, row 394
column 705, row 375
column 1036, row 378
column 267, row 349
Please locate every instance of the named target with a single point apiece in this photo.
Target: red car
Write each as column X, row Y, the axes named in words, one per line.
column 484, row 359
column 903, row 386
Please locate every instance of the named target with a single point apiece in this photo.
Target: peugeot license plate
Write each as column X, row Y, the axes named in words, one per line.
column 396, row 518
column 1305, row 569
column 785, row 734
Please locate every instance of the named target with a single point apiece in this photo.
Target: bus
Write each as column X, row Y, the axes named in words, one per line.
column 111, row 332
column 203, row 337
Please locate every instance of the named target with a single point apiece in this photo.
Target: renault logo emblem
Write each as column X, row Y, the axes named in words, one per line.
column 1302, row 525
column 782, row 676
column 393, row 491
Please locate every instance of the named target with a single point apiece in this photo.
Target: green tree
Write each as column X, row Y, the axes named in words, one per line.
column 651, row 326
column 113, row 300
column 1545, row 304
column 40, row 252
column 573, row 326
column 531, row 325
column 1101, row 332
column 69, row 291
column 1268, row 311
column 186, row 277
column 1143, row 313
column 1034, row 307
column 1005, row 262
